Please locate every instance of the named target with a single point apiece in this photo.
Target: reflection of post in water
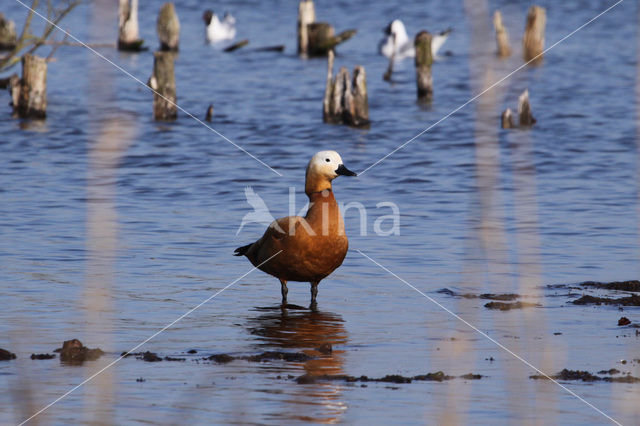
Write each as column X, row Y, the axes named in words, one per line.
column 308, row 331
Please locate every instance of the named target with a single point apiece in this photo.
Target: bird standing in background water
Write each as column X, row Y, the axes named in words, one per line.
column 311, row 247
column 403, row 45
column 217, row 30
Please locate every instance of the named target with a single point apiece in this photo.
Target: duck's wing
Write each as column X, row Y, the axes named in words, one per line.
column 439, row 39
column 274, row 239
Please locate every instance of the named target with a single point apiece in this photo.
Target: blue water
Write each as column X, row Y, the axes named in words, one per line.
column 102, row 200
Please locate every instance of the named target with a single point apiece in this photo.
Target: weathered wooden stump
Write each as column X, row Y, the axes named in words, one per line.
column 524, row 110
column 8, row 38
column 163, row 83
column 507, row 119
column 306, row 16
column 525, row 116
column 317, row 38
column 360, row 96
column 345, row 102
column 533, row 41
column 423, row 61
column 168, row 28
column 209, row 115
column 29, row 93
column 502, row 37
column 128, row 30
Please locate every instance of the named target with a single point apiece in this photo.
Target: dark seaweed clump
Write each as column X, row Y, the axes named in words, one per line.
column 585, row 376
column 263, row 357
column 75, row 353
column 503, row 306
column 632, row 285
column 489, row 296
column 390, row 378
column 6, row 355
column 43, row 356
column 633, row 300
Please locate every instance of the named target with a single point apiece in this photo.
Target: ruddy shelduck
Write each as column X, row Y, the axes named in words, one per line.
column 308, row 248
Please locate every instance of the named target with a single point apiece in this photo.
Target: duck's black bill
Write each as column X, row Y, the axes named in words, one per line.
column 343, row 171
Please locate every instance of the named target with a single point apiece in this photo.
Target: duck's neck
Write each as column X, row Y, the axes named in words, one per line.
column 315, row 183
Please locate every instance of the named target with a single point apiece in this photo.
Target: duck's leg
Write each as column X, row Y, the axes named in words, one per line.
column 284, row 290
column 314, row 294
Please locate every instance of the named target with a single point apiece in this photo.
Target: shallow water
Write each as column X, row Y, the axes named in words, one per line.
column 151, row 214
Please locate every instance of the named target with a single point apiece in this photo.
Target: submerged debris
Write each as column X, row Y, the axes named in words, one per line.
column 43, row 356
column 632, row 285
column 220, row 358
column 264, row 356
column 585, row 376
column 624, row 321
column 284, row 356
column 438, row 376
column 503, row 306
column 633, row 300
column 169, row 358
column 489, row 296
column 73, row 352
column 5, row 355
column 149, row 357
column 611, row 371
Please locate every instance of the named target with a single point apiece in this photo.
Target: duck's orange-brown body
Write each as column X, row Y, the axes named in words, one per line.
column 306, row 248
column 311, row 247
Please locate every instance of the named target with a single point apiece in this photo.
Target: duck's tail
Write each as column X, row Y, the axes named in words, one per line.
column 241, row 251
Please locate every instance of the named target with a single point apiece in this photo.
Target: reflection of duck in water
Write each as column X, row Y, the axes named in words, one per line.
column 306, row 331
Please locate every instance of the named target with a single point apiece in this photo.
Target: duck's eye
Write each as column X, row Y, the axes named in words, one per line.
column 327, row 160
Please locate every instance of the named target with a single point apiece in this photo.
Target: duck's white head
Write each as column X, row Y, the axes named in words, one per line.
column 323, row 167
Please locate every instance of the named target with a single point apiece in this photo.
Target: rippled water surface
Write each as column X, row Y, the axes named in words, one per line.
column 112, row 225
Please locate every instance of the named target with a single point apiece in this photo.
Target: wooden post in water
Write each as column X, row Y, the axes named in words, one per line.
column 360, row 97
column 533, row 40
column 328, row 89
column 168, row 28
column 209, row 115
column 8, row 38
column 507, row 119
column 163, row 83
column 306, row 16
column 128, row 30
column 29, row 94
column 502, row 37
column 524, row 110
column 345, row 102
column 423, row 61
column 525, row 117
column 317, row 38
